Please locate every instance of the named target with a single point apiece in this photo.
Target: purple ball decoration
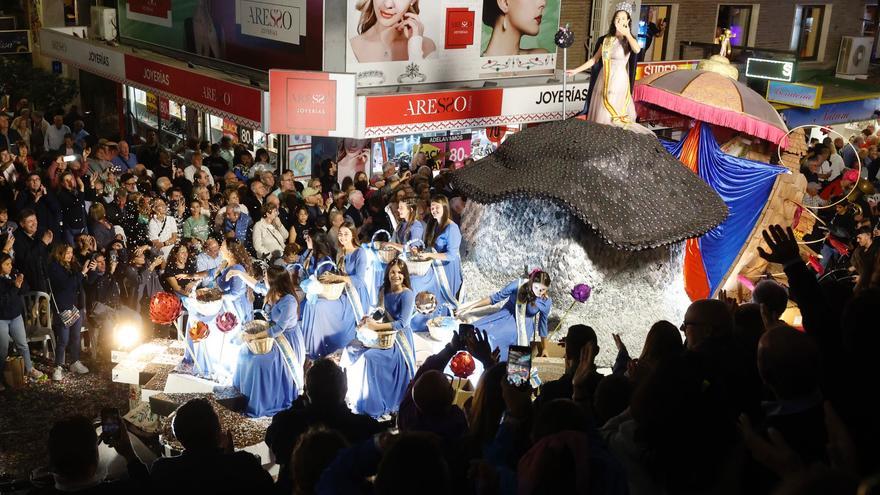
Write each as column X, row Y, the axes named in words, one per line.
column 581, row 292
column 564, row 38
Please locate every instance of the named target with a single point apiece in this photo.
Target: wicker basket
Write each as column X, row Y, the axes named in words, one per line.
column 333, row 291
column 383, row 339
column 208, row 301
column 385, row 253
column 442, row 327
column 415, row 264
column 262, row 345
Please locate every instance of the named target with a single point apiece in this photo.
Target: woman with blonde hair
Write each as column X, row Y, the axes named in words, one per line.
column 390, row 30
column 99, row 226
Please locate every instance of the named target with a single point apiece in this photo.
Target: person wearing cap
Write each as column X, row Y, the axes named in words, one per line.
column 841, row 186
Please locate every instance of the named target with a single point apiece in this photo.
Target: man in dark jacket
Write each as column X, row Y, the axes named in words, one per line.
column 73, row 459
column 32, row 250
column 208, row 463
column 71, row 197
column 43, row 203
column 578, row 336
column 325, row 388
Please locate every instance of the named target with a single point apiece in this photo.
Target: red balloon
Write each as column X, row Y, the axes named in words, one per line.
column 199, row 331
column 226, row 321
column 165, row 307
column 462, row 364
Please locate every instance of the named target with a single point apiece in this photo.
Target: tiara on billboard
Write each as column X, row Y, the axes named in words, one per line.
column 626, row 7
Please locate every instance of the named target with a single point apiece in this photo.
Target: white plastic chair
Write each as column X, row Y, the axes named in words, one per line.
column 38, row 320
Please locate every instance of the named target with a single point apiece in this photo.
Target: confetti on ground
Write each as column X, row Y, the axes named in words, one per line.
column 30, row 412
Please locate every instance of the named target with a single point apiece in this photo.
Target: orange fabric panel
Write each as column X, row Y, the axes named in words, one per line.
column 696, row 283
column 691, row 148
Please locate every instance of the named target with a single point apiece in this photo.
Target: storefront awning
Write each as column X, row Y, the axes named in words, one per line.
column 203, row 89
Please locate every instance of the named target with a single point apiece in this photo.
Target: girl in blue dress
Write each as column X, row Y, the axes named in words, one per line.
column 329, row 325
column 378, row 378
column 217, row 354
column 410, row 226
column 272, row 381
column 524, row 313
column 444, row 278
column 318, row 250
column 235, row 293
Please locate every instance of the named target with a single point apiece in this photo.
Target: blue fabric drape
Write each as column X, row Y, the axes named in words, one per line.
column 744, row 185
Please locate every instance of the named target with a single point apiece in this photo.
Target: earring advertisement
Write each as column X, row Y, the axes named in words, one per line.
column 392, row 42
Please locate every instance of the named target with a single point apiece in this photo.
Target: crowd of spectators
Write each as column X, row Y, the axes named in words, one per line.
column 730, row 400
column 842, row 189
column 102, row 224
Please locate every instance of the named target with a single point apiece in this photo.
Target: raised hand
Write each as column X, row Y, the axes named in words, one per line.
column 585, row 366
column 478, row 345
column 781, row 243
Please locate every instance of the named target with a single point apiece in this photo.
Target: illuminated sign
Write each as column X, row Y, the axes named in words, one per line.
column 797, row 95
column 774, row 70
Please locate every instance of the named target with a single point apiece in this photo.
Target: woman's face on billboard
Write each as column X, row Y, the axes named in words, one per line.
column 525, row 15
column 390, row 12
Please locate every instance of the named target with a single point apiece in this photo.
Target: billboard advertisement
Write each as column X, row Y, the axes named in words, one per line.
column 411, row 42
column 261, row 34
column 311, row 103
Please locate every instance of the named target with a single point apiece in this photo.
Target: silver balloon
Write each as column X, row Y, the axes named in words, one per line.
column 426, row 302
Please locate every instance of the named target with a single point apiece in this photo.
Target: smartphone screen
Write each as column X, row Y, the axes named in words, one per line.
column 69, row 158
column 110, row 423
column 466, row 331
column 519, row 365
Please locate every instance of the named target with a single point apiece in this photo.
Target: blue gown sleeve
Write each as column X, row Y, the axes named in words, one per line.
column 234, row 286
column 505, row 293
column 453, row 241
column 416, row 232
column 407, row 305
column 544, row 316
column 359, row 264
column 284, row 315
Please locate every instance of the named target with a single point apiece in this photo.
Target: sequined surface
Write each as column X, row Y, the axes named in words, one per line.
column 624, row 185
column 631, row 289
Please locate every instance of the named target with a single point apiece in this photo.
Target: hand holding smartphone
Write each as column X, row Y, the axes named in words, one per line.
column 111, row 425
column 519, row 365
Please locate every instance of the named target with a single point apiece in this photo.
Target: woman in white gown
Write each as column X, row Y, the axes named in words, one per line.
column 613, row 72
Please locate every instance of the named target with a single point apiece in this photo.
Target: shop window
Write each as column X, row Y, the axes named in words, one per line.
column 737, row 18
column 144, row 109
column 806, row 36
column 653, row 25
column 869, row 20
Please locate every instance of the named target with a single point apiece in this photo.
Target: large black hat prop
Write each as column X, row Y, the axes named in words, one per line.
column 625, row 185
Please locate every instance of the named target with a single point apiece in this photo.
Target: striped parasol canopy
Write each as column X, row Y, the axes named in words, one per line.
column 714, row 98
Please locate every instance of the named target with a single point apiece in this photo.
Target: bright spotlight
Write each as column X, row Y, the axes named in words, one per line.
column 126, row 334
